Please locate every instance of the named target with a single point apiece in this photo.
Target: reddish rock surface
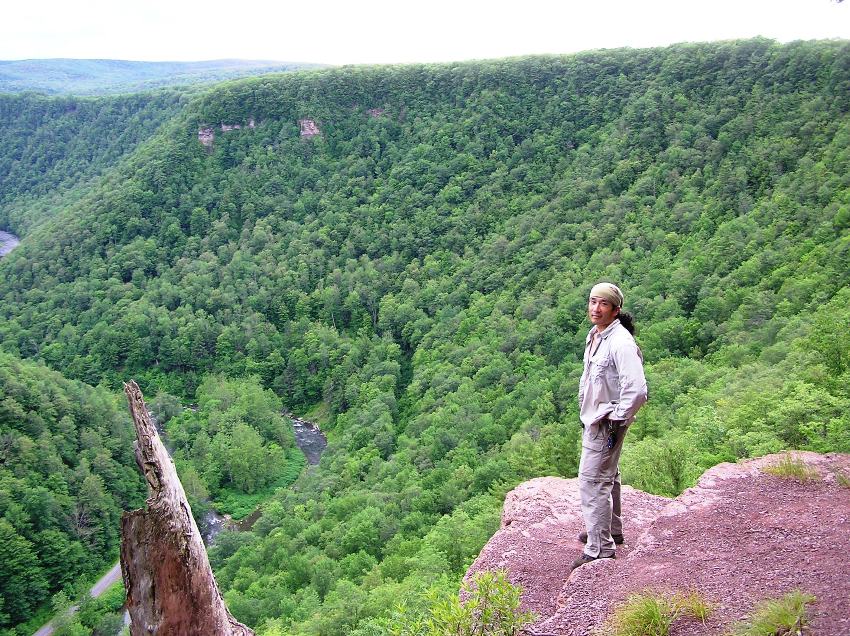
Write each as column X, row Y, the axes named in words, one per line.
column 309, row 128
column 738, row 537
column 206, row 135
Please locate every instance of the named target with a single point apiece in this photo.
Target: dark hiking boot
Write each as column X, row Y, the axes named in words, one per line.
column 618, row 538
column 586, row 558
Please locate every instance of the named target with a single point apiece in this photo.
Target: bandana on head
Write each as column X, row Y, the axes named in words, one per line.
column 609, row 292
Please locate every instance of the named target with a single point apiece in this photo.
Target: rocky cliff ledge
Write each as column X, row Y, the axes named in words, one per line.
column 740, row 536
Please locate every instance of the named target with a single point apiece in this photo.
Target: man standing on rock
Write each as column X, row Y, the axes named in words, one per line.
column 611, row 391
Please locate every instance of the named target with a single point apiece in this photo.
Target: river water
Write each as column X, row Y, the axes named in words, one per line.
column 309, row 439
column 8, row 242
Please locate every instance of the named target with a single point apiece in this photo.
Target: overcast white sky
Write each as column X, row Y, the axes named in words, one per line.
column 384, row 31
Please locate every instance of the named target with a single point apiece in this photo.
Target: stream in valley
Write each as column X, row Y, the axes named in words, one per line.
column 8, row 242
column 309, row 438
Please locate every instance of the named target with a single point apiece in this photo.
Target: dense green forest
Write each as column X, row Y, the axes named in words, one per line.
column 234, row 449
column 66, row 472
column 51, row 148
column 415, row 276
column 102, row 77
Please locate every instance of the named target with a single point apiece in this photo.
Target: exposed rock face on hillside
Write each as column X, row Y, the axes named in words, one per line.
column 206, row 134
column 740, row 536
column 309, row 128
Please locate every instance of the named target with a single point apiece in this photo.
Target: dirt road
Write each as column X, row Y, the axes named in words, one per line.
column 113, row 576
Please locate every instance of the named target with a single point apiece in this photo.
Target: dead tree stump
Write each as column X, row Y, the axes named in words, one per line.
column 170, row 586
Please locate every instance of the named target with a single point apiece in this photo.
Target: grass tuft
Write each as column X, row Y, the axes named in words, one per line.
column 694, row 605
column 843, row 479
column 643, row 615
column 784, row 616
column 791, row 467
column 651, row 614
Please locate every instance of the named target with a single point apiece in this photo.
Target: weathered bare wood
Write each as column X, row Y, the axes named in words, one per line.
column 170, row 586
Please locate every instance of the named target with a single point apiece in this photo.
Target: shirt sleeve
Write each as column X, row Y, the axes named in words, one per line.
column 581, row 388
column 633, row 390
column 583, row 380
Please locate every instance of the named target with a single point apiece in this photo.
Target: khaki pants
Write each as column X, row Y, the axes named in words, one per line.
column 599, row 487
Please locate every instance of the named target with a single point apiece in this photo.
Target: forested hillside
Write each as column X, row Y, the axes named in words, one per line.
column 50, row 146
column 66, row 472
column 104, row 77
column 416, row 276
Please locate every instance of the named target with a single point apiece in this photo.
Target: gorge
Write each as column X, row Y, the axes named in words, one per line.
column 415, row 278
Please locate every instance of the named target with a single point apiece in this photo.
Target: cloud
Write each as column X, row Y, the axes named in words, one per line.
column 380, row 31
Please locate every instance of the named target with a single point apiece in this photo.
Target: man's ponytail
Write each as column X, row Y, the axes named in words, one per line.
column 628, row 321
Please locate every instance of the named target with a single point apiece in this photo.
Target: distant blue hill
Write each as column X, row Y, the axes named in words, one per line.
column 99, row 77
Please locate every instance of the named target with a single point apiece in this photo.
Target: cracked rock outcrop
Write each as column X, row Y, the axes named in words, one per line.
column 739, row 536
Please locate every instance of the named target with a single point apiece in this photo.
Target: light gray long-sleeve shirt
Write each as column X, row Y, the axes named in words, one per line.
column 613, row 384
